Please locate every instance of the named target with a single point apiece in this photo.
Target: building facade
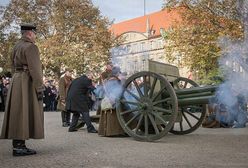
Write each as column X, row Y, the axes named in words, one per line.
column 143, row 39
column 132, row 56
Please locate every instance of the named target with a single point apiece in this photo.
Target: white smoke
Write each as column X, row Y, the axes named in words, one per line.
column 233, row 93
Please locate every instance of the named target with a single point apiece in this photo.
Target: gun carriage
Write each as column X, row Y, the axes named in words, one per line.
column 158, row 101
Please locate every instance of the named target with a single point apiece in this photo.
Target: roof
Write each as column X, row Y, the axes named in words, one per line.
column 161, row 19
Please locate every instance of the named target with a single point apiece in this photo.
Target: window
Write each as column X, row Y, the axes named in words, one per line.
column 128, row 49
column 155, row 44
column 160, row 43
column 135, row 48
column 151, row 45
column 143, row 46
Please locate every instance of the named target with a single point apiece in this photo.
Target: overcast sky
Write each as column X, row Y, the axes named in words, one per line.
column 120, row 10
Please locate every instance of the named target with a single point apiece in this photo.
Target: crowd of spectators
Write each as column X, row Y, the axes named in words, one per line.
column 50, row 99
column 51, row 92
column 4, row 86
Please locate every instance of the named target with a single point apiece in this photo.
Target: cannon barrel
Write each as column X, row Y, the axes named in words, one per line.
column 196, row 95
column 195, row 100
column 196, row 90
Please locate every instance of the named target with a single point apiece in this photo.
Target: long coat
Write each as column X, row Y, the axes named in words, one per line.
column 24, row 116
column 77, row 99
column 63, row 89
column 109, row 124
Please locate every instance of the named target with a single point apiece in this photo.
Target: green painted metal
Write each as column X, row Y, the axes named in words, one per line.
column 155, row 107
column 195, row 95
column 196, row 90
column 170, row 72
column 141, row 114
column 192, row 108
column 195, row 100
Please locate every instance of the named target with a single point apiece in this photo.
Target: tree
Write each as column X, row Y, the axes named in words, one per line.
column 71, row 33
column 6, row 50
column 195, row 38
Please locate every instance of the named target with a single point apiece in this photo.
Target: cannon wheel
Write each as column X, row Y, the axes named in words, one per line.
column 147, row 107
column 191, row 116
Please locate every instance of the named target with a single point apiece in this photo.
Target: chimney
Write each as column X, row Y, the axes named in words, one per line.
column 148, row 31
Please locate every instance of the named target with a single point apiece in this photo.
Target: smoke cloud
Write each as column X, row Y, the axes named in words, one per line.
column 233, row 93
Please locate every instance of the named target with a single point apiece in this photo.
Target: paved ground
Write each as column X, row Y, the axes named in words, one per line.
column 208, row 148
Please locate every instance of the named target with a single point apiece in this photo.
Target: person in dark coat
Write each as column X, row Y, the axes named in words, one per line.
column 77, row 101
column 48, row 96
column 54, row 97
column 24, row 117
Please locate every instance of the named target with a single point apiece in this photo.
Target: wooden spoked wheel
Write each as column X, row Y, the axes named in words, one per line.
column 189, row 117
column 148, row 107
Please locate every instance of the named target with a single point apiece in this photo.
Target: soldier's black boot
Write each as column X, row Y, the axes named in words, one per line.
column 74, row 122
column 86, row 118
column 20, row 149
column 80, row 123
column 23, row 151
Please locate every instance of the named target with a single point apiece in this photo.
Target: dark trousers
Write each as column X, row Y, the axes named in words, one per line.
column 86, row 118
column 18, row 143
column 66, row 116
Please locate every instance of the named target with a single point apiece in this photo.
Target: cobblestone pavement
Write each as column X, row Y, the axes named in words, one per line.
column 61, row 149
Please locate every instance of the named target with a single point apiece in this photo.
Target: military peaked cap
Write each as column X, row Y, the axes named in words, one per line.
column 28, row 26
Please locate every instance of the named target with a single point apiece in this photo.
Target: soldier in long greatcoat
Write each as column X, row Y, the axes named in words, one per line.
column 24, row 118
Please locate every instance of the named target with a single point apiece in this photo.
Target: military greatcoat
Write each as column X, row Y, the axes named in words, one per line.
column 24, row 116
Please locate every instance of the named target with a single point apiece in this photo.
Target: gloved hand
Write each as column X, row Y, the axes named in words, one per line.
column 40, row 96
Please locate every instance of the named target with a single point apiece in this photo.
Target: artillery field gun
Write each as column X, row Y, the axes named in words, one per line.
column 158, row 101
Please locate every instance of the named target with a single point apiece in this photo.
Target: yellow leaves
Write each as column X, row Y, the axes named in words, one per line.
column 71, row 32
column 196, row 39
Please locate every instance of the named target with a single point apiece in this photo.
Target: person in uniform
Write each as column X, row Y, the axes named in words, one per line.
column 64, row 83
column 24, row 118
column 77, row 101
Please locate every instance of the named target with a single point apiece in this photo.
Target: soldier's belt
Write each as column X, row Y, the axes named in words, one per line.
column 21, row 69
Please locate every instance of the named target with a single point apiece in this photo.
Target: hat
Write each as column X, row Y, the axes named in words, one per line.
column 116, row 70
column 28, row 26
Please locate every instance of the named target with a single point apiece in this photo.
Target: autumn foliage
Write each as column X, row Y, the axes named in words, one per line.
column 195, row 39
column 71, row 33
